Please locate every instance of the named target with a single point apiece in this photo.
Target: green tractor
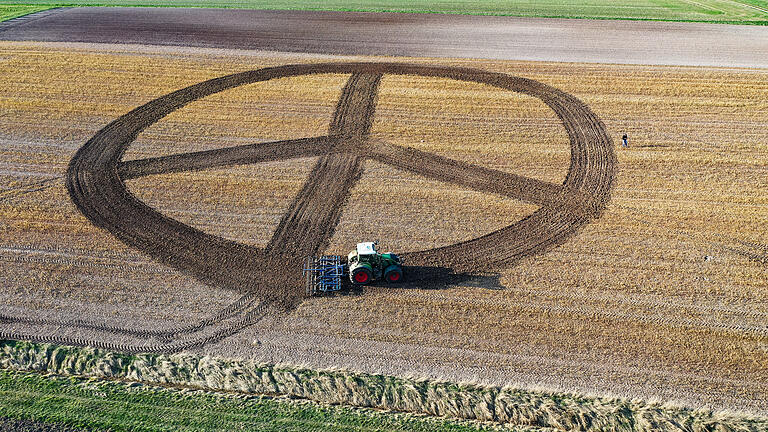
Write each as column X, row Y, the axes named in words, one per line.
column 366, row 265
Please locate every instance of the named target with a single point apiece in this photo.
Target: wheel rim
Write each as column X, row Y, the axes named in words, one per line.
column 394, row 276
column 361, row 277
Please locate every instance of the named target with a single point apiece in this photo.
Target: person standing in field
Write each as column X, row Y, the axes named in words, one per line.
column 624, row 142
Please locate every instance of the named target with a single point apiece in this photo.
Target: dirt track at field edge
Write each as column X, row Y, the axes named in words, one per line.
column 406, row 34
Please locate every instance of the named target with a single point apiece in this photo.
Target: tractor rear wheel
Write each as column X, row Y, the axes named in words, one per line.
column 394, row 275
column 361, row 276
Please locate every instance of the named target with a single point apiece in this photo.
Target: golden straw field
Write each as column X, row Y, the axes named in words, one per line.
column 664, row 296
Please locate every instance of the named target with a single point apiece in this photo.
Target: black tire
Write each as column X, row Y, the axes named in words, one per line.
column 361, row 276
column 394, row 276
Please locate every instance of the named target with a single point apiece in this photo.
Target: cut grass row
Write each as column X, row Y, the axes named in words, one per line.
column 121, row 406
column 84, row 399
column 721, row 11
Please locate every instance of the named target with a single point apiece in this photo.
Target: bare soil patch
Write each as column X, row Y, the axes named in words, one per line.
column 402, row 34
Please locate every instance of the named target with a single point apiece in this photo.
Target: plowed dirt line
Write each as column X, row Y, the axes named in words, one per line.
column 253, row 153
column 96, row 184
column 310, row 221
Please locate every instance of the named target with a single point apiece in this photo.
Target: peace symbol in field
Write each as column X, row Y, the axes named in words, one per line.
column 97, row 174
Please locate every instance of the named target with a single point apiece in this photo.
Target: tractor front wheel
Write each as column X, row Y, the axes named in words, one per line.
column 394, row 275
column 361, row 276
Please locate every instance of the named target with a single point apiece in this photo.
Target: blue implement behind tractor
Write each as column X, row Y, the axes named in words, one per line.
column 323, row 274
column 364, row 265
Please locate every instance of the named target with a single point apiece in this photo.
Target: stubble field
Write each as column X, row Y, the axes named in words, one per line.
column 662, row 296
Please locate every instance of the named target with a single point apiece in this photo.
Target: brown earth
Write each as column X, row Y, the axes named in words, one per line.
column 413, row 35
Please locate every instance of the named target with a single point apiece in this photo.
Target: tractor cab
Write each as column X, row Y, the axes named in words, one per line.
column 364, row 252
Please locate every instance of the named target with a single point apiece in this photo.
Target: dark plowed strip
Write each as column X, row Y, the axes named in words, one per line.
column 406, row 35
column 479, row 178
column 310, row 221
column 357, row 105
column 245, row 154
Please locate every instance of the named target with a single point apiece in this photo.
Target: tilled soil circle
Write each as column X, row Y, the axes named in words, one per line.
column 96, row 182
column 272, row 276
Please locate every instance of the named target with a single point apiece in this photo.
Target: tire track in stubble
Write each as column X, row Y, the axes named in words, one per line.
column 251, row 317
column 37, row 186
column 230, row 311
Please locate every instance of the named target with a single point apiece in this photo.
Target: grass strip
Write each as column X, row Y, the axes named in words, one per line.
column 11, row 11
column 98, row 404
column 502, row 405
column 754, row 12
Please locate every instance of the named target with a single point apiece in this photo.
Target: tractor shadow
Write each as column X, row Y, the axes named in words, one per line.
column 432, row 278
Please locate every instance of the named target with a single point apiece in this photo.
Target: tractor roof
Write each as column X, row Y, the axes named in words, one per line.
column 367, row 248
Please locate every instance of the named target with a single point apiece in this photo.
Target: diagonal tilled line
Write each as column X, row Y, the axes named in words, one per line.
column 311, row 220
column 481, row 179
column 239, row 155
column 309, row 223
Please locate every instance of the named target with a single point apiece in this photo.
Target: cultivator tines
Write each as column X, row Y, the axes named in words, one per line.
column 323, row 274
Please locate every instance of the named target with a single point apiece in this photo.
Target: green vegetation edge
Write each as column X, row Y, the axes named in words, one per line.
column 11, row 11
column 512, row 407
column 92, row 403
column 744, row 12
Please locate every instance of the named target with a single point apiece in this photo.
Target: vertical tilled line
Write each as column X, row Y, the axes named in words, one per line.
column 309, row 223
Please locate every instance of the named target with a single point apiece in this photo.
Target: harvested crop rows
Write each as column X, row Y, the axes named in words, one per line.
column 661, row 296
